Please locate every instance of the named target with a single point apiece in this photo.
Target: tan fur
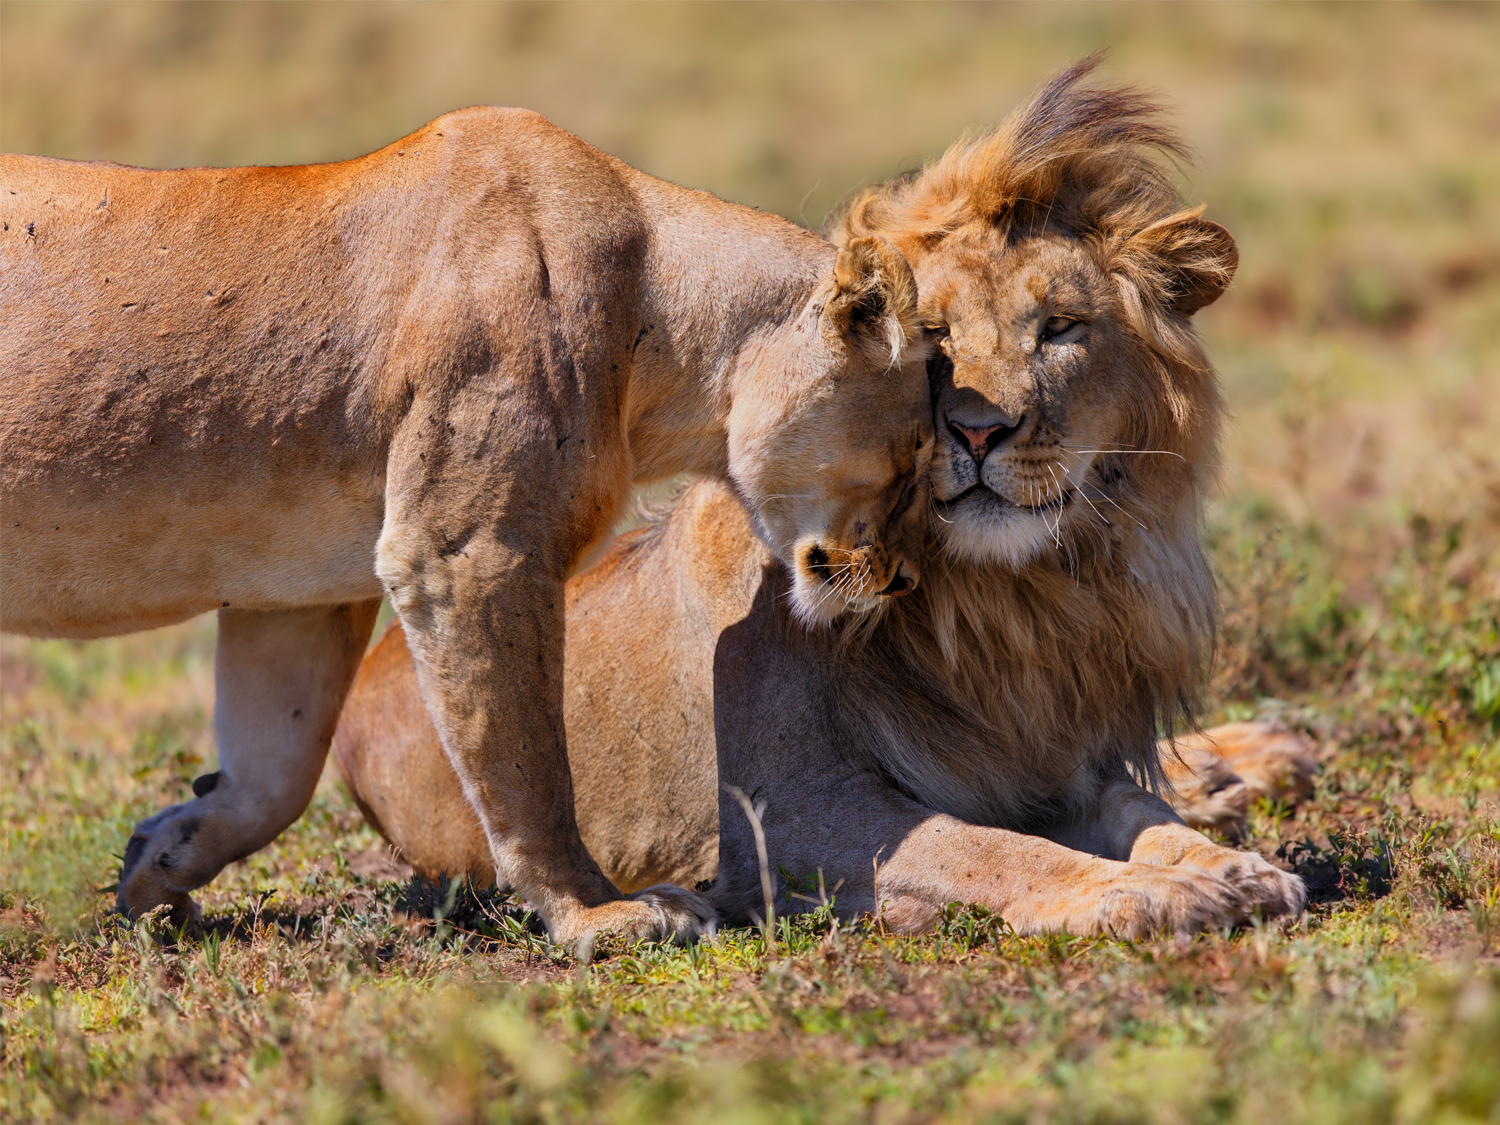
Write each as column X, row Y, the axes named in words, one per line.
column 434, row 371
column 986, row 739
column 1216, row 774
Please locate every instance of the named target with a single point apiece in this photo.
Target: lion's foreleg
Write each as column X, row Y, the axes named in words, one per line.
column 1039, row 886
column 280, row 679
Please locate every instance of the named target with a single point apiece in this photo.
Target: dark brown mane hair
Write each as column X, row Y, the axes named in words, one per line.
column 1005, row 695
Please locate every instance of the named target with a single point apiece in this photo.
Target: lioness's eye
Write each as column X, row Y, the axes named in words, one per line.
column 936, row 331
column 1056, row 326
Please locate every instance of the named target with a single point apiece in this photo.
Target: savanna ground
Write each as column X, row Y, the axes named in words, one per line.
column 1355, row 153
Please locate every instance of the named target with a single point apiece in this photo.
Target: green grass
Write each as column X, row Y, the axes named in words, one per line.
column 321, row 993
column 1352, row 153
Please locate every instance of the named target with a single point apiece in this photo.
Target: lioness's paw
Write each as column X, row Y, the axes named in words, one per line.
column 155, row 860
column 659, row 913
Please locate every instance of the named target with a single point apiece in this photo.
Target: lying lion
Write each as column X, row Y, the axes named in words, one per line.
column 432, row 372
column 985, row 739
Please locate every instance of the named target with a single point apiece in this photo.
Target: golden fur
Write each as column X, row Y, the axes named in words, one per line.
column 1094, row 630
column 433, row 371
column 990, row 738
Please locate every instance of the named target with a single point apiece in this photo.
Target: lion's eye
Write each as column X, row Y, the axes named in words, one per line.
column 936, row 331
column 1056, row 326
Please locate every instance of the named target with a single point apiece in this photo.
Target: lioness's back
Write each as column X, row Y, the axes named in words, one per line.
column 202, row 367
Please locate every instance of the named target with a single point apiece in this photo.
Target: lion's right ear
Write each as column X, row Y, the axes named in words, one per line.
column 875, row 295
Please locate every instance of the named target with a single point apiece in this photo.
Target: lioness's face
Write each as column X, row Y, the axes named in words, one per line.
column 1027, row 387
column 829, row 447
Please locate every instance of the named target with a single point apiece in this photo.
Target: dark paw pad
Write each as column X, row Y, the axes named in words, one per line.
column 203, row 786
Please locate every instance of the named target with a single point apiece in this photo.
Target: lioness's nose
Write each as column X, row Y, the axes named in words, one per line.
column 899, row 584
column 984, row 437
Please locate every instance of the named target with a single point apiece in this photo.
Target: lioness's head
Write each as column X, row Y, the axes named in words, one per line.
column 830, row 434
column 1057, row 271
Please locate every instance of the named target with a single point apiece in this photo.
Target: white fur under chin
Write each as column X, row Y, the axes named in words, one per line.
column 1011, row 537
column 815, row 604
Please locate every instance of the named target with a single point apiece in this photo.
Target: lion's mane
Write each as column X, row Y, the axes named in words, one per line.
column 1006, row 695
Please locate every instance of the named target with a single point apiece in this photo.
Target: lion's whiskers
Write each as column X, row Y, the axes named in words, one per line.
column 1164, row 452
column 1057, row 520
column 1123, row 511
column 1096, row 511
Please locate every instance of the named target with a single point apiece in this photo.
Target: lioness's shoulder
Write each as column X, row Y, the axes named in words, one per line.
column 487, row 124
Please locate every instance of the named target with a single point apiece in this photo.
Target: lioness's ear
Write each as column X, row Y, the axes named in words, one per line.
column 875, row 292
column 1197, row 258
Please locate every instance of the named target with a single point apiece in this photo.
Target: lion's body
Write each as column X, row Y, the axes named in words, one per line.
column 434, row 371
column 685, row 673
column 983, row 739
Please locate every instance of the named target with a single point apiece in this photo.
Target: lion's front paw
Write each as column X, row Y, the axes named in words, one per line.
column 1144, row 902
column 1258, row 887
column 1139, row 900
column 659, row 913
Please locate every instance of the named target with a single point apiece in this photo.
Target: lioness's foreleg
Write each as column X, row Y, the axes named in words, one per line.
column 280, row 678
column 484, row 620
column 1129, row 823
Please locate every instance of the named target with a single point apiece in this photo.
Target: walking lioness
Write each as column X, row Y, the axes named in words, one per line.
column 986, row 739
column 434, row 372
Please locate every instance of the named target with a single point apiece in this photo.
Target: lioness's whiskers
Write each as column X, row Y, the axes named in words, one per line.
column 764, row 500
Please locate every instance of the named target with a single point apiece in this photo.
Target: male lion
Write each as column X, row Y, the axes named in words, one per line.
column 434, row 371
column 985, row 739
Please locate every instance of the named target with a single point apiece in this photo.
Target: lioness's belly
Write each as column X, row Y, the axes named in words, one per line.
column 151, row 553
column 185, row 408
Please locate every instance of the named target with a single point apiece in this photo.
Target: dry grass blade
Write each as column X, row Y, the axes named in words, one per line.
column 753, row 814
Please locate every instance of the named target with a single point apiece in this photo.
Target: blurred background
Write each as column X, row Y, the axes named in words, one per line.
column 1353, row 150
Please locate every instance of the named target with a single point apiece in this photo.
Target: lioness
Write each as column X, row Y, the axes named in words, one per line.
column 986, row 738
column 434, row 371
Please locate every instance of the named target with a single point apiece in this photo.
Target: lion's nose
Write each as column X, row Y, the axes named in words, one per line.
column 983, row 438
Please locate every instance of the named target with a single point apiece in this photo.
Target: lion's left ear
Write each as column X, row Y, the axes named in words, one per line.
column 1196, row 258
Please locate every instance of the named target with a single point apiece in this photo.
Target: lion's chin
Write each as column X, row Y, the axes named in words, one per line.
column 981, row 529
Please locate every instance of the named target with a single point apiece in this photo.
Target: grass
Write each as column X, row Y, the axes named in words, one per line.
column 323, row 989
column 319, row 993
column 1351, row 151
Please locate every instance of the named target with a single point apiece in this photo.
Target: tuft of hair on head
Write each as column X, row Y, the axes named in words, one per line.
column 875, row 301
column 1061, row 147
column 1096, row 162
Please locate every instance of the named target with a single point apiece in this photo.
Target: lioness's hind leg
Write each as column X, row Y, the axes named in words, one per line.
column 280, row 678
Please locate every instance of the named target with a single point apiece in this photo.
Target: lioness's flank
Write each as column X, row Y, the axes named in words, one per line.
column 986, row 739
column 433, row 372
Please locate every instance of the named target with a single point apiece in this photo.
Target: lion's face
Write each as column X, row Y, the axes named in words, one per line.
column 828, row 451
column 1029, row 387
